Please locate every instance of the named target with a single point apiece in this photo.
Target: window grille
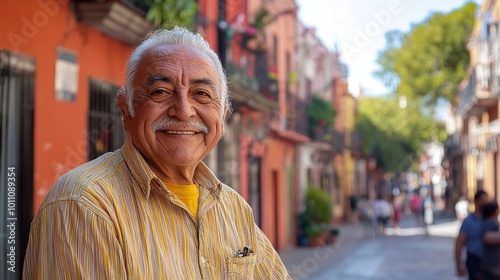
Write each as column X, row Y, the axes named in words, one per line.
column 105, row 129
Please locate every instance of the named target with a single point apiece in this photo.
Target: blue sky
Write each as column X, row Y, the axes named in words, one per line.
column 357, row 28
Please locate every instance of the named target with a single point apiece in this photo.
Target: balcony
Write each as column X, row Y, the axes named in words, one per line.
column 246, row 90
column 123, row 20
column 335, row 138
column 483, row 86
column 480, row 93
column 298, row 119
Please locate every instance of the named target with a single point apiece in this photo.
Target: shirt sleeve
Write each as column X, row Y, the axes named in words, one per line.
column 269, row 265
column 69, row 241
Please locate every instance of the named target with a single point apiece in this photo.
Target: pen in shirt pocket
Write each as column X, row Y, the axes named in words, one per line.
column 243, row 253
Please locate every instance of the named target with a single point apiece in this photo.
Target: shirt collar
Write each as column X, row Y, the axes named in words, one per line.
column 145, row 177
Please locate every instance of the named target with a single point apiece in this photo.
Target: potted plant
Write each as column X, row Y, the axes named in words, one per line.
column 317, row 214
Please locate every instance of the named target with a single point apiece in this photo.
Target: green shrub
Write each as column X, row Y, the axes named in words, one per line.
column 318, row 205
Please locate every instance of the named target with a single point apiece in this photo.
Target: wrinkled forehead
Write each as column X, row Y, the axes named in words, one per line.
column 179, row 56
column 177, row 61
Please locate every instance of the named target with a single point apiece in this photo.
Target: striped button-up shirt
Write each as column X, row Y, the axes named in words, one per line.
column 112, row 218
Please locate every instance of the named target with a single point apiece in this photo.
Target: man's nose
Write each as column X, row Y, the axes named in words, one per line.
column 182, row 107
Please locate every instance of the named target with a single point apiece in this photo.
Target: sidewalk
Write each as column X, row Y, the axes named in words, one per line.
column 307, row 257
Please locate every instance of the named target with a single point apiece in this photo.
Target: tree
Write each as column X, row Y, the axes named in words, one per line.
column 429, row 62
column 392, row 135
column 168, row 13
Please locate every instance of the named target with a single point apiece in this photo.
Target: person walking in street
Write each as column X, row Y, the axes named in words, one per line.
column 382, row 211
column 470, row 237
column 153, row 209
column 490, row 267
column 416, row 206
column 366, row 216
column 427, row 210
column 397, row 205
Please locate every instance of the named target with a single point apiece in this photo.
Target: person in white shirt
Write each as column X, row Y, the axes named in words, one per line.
column 382, row 211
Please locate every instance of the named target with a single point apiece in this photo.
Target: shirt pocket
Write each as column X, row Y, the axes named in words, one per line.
column 241, row 268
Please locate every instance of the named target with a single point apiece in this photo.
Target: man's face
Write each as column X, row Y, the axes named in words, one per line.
column 178, row 114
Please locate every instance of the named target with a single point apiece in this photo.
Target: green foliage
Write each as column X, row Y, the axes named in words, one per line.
column 431, row 60
column 318, row 205
column 169, row 13
column 395, row 136
column 321, row 113
column 262, row 19
column 317, row 213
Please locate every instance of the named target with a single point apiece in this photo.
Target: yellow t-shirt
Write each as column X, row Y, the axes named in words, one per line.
column 188, row 194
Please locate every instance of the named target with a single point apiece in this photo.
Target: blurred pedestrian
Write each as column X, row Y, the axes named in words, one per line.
column 416, row 206
column 462, row 208
column 366, row 216
column 382, row 211
column 427, row 210
column 470, row 237
column 397, row 205
column 490, row 267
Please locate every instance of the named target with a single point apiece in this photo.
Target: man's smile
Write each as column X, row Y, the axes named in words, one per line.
column 179, row 132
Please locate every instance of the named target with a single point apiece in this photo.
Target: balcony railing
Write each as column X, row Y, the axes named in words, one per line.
column 302, row 124
column 267, row 86
column 482, row 91
column 246, row 90
column 335, row 138
column 261, row 84
column 483, row 87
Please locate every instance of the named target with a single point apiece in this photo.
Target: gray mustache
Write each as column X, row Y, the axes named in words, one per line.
column 164, row 124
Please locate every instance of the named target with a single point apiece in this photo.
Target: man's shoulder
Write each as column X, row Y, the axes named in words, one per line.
column 232, row 196
column 228, row 191
column 86, row 177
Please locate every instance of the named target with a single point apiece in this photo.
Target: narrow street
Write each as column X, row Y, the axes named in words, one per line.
column 411, row 254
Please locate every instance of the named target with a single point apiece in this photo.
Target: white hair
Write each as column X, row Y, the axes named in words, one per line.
column 176, row 36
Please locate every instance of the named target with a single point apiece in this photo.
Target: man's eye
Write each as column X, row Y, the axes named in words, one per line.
column 202, row 93
column 158, row 92
column 159, row 95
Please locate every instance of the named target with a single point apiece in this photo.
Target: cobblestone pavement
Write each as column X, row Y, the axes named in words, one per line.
column 411, row 253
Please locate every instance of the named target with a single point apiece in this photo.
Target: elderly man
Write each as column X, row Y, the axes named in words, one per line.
column 153, row 210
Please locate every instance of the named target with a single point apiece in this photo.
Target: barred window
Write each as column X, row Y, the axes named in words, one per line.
column 105, row 129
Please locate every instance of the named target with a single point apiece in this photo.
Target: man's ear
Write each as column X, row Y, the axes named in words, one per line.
column 224, row 113
column 123, row 105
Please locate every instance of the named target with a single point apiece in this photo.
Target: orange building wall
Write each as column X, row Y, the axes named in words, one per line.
column 280, row 154
column 60, row 127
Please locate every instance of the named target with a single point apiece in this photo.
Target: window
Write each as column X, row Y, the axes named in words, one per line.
column 17, row 83
column 105, row 129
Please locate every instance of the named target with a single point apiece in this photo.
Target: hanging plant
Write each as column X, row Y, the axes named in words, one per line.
column 253, row 36
column 321, row 115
